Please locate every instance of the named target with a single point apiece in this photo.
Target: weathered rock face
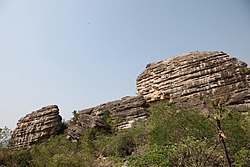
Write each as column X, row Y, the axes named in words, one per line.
column 248, row 76
column 123, row 112
column 86, row 121
column 36, row 126
column 195, row 73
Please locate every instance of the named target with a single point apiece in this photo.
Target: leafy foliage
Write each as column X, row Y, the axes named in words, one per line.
column 188, row 138
column 74, row 120
column 181, row 125
column 153, row 155
column 5, row 134
column 113, row 122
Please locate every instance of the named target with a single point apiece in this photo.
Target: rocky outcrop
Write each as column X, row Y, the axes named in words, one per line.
column 196, row 74
column 248, row 76
column 119, row 113
column 36, row 126
column 87, row 121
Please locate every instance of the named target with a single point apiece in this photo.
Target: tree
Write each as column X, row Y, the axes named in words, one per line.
column 219, row 112
column 5, row 134
column 75, row 118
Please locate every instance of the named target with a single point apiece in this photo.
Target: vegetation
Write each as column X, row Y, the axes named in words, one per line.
column 74, row 120
column 5, row 134
column 171, row 136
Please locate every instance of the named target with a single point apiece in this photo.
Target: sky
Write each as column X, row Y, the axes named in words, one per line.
column 81, row 53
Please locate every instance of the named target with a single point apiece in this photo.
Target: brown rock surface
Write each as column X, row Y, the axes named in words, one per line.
column 248, row 76
column 126, row 111
column 86, row 121
column 36, row 126
column 193, row 74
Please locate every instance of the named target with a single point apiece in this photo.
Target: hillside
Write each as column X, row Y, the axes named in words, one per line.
column 172, row 135
column 190, row 110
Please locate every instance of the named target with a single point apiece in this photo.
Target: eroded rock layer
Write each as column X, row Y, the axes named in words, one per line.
column 36, row 126
column 195, row 73
column 248, row 76
column 120, row 113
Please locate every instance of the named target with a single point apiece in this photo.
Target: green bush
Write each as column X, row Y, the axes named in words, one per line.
column 124, row 144
column 242, row 158
column 20, row 157
column 234, row 128
column 191, row 151
column 181, row 125
column 155, row 155
column 120, row 145
column 62, row 160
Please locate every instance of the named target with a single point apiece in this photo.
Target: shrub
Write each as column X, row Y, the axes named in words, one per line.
column 191, row 151
column 180, row 125
column 61, row 160
column 121, row 145
column 20, row 157
column 155, row 155
column 242, row 158
column 237, row 137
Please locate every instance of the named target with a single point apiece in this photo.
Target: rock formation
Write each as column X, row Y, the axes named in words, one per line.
column 86, row 121
column 196, row 74
column 248, row 76
column 121, row 113
column 36, row 126
column 176, row 79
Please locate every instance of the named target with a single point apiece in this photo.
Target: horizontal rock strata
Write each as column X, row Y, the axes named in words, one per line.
column 195, row 74
column 122, row 113
column 36, row 126
column 248, row 76
column 87, row 121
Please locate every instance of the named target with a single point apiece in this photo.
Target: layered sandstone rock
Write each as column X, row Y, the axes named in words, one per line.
column 195, row 74
column 37, row 126
column 87, row 121
column 122, row 113
column 248, row 76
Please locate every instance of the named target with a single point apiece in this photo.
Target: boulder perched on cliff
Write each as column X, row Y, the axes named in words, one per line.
column 196, row 74
column 36, row 126
column 120, row 113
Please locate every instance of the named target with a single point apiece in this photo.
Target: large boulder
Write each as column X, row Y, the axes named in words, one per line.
column 120, row 113
column 196, row 74
column 36, row 126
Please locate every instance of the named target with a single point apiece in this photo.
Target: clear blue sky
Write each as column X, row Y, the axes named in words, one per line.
column 80, row 53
